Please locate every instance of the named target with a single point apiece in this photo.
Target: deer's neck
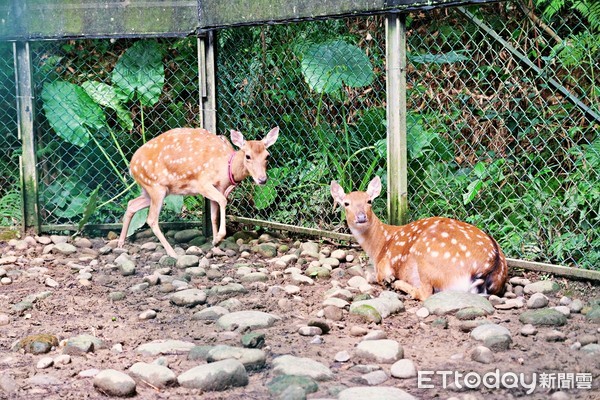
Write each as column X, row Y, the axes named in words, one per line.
column 373, row 239
column 236, row 167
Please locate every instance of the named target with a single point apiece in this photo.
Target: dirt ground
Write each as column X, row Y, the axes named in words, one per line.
column 83, row 307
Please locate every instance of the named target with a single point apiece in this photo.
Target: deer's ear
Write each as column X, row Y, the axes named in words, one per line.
column 271, row 137
column 337, row 193
column 374, row 188
column 237, row 138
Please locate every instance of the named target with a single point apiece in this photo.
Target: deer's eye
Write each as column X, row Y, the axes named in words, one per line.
column 248, row 157
column 346, row 203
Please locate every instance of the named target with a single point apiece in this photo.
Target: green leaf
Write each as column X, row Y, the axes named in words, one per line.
column 107, row 96
column 90, row 208
column 264, row 195
column 140, row 72
column 72, row 113
column 472, row 190
column 138, row 220
column 75, row 207
column 174, row 203
column 327, row 66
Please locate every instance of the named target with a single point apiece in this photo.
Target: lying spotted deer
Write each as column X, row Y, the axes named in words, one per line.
column 187, row 161
column 425, row 256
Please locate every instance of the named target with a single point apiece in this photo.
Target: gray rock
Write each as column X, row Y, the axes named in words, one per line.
column 243, row 320
column 164, row 347
column 309, row 331
column 537, row 300
column 116, row 296
column 543, row 317
column 252, row 359
column 291, row 365
column 447, row 302
column 216, row 376
column 210, row 314
column 566, row 311
column 517, row 280
column 593, row 315
column 187, row 261
column 140, row 287
column 470, row 313
column 114, row 383
column 482, row 354
column 379, row 393
column 384, row 351
column 230, row 288
column 279, row 384
column 188, row 297
column 64, row 248
column 528, row 330
column 342, row 356
column 384, row 304
column 372, row 378
column 367, row 311
column 545, row 287
column 554, row 336
column 267, row 250
column 493, row 336
column 157, row 375
column 403, row 369
column 254, row 277
column 253, row 340
column 44, row 363
column 83, row 344
column 148, row 314
column 127, row 268
column 186, row 235
column 576, row 306
column 592, row 348
column 339, row 254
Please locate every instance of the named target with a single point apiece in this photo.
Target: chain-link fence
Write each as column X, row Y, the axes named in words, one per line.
column 10, row 194
column 98, row 102
column 502, row 121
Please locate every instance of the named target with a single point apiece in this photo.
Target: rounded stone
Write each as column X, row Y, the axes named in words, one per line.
column 114, row 383
column 403, row 369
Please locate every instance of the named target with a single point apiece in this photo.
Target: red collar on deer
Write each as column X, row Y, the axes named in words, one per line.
column 229, row 171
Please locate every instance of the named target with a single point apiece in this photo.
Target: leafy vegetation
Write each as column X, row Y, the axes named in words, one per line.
column 489, row 141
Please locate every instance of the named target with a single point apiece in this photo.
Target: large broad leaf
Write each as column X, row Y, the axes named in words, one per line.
column 106, row 96
column 71, row 112
column 264, row 195
column 140, row 72
column 327, row 66
column 173, row 203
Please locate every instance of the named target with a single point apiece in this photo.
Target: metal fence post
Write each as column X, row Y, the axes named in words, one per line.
column 397, row 190
column 207, row 71
column 25, row 117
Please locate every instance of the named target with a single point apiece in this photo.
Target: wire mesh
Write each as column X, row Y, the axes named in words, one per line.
column 10, row 195
column 99, row 101
column 501, row 120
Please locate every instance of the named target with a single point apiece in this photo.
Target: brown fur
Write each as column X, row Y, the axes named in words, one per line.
column 187, row 161
column 427, row 255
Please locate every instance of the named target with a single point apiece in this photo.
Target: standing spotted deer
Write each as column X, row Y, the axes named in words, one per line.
column 186, row 161
column 425, row 256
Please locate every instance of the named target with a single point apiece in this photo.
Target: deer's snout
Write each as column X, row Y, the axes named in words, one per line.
column 261, row 180
column 360, row 217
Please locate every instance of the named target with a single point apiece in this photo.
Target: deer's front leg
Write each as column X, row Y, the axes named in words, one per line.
column 384, row 271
